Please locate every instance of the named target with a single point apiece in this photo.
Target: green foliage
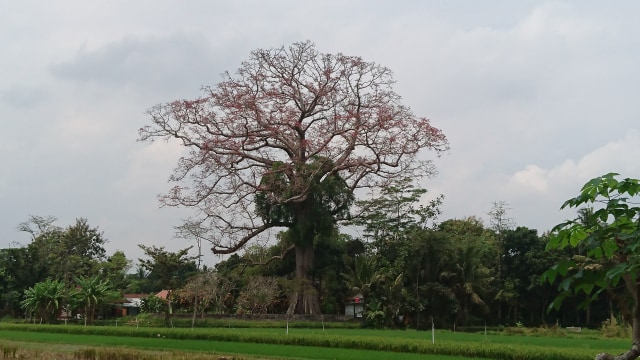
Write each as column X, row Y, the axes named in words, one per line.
column 395, row 210
column 523, row 259
column 393, row 271
column 468, row 275
column 374, row 314
column 89, row 293
column 45, row 299
column 56, row 253
column 74, row 251
column 271, row 201
column 608, row 238
column 168, row 269
column 115, row 269
column 152, row 304
column 63, row 254
column 327, row 198
column 18, row 274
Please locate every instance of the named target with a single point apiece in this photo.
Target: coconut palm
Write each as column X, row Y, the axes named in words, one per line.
column 468, row 281
column 468, row 275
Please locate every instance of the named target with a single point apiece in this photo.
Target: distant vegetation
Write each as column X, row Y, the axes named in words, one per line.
column 411, row 270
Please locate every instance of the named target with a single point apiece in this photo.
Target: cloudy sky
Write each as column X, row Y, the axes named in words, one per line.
column 536, row 97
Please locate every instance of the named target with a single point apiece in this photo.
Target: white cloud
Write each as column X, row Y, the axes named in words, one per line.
column 536, row 193
column 533, row 178
column 616, row 156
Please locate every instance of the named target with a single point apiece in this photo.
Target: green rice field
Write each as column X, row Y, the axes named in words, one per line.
column 302, row 343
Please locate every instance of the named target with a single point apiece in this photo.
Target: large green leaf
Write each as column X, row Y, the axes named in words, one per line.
column 609, row 237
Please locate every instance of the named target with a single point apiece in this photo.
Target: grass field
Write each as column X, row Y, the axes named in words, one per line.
column 64, row 342
column 282, row 346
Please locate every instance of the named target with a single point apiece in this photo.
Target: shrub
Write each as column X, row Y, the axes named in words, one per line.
column 611, row 329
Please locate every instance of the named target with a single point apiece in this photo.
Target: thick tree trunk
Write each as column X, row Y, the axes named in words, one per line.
column 305, row 297
column 634, row 352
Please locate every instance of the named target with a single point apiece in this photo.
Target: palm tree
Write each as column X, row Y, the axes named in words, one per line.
column 468, row 275
column 381, row 288
column 468, row 280
column 44, row 299
column 362, row 276
column 91, row 291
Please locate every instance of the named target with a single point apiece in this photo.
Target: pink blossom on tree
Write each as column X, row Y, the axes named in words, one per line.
column 300, row 118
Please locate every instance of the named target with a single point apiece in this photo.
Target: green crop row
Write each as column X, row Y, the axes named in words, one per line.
column 417, row 346
column 152, row 320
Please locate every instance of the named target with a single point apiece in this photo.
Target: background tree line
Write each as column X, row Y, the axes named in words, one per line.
column 410, row 268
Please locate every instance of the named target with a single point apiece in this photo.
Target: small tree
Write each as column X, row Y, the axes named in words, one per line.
column 89, row 294
column 202, row 290
column 45, row 299
column 169, row 268
column 610, row 244
column 259, row 294
column 500, row 223
column 152, row 304
column 115, row 269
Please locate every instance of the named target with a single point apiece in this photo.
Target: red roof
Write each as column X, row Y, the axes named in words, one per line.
column 163, row 294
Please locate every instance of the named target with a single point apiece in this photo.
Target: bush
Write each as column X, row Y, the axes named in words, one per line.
column 611, row 329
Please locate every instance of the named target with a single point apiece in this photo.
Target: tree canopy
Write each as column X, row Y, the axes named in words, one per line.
column 292, row 131
column 288, row 106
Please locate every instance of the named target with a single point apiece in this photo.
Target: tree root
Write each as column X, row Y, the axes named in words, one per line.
column 629, row 355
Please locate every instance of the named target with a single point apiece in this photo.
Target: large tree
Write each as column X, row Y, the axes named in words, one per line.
column 66, row 253
column 288, row 121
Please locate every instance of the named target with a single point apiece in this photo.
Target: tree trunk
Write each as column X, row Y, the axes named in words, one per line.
column 195, row 311
column 168, row 311
column 305, row 297
column 634, row 352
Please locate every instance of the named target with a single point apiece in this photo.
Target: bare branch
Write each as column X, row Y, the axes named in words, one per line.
column 281, row 111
